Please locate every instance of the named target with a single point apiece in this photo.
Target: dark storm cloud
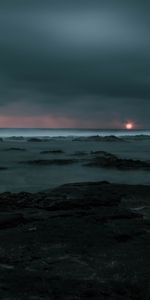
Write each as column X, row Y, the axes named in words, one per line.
column 82, row 59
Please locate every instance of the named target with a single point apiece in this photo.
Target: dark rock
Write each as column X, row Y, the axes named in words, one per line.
column 112, row 161
column 11, row 201
column 77, row 241
column 3, row 168
column 38, row 140
column 14, row 149
column 98, row 138
column 79, row 153
column 48, row 162
column 52, row 152
column 140, row 137
column 123, row 238
column 17, row 138
column 9, row 220
column 35, row 140
column 103, row 154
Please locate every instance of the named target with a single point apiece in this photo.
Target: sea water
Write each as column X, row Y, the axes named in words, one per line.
column 66, row 132
column 18, row 175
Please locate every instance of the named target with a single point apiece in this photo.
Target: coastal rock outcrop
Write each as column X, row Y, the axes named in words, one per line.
column 78, row 241
column 98, row 138
column 107, row 160
column 54, row 151
column 48, row 162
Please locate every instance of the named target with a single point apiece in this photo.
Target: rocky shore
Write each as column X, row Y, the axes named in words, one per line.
column 78, row 241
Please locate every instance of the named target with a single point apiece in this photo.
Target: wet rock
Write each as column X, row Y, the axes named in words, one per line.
column 140, row 137
column 77, row 241
column 55, row 151
column 17, row 138
column 38, row 140
column 11, row 201
column 9, row 220
column 113, row 162
column 3, row 168
column 98, row 138
column 144, row 211
column 79, row 153
column 14, row 149
column 34, row 140
column 123, row 238
column 49, row 162
column 103, row 154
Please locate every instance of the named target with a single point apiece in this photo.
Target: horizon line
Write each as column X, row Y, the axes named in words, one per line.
column 76, row 128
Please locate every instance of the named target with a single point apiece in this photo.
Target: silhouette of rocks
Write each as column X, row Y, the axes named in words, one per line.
column 16, row 138
column 55, row 151
column 97, row 138
column 14, row 149
column 103, row 154
column 38, row 140
column 140, row 137
column 3, row 168
column 110, row 161
column 34, row 140
column 48, row 162
column 9, row 220
column 79, row 153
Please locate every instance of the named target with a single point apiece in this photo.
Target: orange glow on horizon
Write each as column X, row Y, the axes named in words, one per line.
column 35, row 121
column 45, row 121
column 56, row 121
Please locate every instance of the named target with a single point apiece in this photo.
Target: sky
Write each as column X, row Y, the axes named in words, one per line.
column 67, row 63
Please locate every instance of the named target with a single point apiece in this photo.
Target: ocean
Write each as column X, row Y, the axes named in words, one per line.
column 68, row 132
column 17, row 175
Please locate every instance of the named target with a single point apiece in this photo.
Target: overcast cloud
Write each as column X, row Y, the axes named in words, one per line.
column 74, row 63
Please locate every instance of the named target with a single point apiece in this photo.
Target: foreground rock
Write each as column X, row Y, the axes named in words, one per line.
column 78, row 241
column 9, row 220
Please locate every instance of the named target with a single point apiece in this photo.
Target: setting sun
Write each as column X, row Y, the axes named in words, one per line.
column 129, row 125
